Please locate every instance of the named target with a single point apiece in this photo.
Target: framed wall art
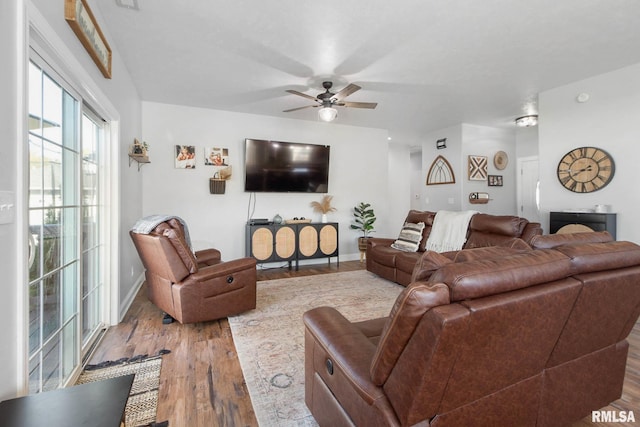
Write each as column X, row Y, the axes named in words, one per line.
column 185, row 157
column 81, row 20
column 214, row 156
column 440, row 172
column 477, row 168
column 494, row 180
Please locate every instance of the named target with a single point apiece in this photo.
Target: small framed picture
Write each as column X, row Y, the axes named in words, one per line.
column 494, row 180
column 185, row 157
column 441, row 143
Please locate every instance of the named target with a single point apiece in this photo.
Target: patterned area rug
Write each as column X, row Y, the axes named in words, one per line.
column 143, row 398
column 270, row 339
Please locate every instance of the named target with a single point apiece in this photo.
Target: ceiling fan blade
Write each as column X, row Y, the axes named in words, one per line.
column 299, row 108
column 370, row 105
column 346, row 91
column 304, row 95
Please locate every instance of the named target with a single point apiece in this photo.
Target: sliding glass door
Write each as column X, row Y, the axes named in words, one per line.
column 65, row 276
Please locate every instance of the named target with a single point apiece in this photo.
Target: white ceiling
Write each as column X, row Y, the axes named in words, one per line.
column 428, row 63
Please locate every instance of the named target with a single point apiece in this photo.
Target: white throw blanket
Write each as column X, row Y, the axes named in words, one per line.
column 148, row 223
column 449, row 231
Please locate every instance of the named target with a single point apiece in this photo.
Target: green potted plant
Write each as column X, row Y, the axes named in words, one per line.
column 363, row 220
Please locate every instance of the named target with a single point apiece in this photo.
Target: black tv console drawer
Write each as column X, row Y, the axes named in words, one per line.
column 592, row 220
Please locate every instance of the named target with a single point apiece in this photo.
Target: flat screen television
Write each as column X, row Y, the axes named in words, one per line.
column 286, row 167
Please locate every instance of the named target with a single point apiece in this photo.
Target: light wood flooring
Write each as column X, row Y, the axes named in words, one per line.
column 201, row 384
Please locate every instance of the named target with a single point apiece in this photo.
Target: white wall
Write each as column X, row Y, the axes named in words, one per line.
column 609, row 120
column 12, row 29
column 358, row 172
column 464, row 140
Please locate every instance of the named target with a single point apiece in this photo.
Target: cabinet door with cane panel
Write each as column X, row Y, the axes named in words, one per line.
column 291, row 242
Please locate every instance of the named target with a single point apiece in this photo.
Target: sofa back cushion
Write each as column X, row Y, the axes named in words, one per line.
column 428, row 263
column 491, row 276
column 408, row 309
column 609, row 303
column 174, row 231
column 493, row 230
column 464, row 351
column 159, row 257
column 549, row 241
column 427, row 217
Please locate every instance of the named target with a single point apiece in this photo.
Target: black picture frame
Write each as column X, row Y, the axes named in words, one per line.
column 494, row 180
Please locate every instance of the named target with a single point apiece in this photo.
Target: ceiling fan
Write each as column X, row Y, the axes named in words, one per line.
column 328, row 100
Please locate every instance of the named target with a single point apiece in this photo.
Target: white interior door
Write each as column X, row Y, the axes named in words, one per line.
column 529, row 189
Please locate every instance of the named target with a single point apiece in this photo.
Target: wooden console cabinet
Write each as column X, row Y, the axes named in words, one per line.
column 292, row 242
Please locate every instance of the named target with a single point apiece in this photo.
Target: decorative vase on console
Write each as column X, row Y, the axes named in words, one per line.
column 323, row 207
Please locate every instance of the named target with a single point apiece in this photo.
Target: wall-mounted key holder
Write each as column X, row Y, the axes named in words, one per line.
column 478, row 198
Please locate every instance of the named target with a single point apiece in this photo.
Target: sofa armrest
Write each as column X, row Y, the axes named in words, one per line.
column 223, row 269
column 208, row 257
column 350, row 350
column 379, row 241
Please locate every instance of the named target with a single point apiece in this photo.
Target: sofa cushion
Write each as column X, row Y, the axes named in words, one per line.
column 550, row 241
column 408, row 309
column 429, row 262
column 592, row 257
column 383, row 255
column 479, row 278
column 482, row 253
column 409, row 238
column 506, row 225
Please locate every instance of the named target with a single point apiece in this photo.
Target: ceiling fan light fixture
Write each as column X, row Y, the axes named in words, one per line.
column 327, row 114
column 527, row 121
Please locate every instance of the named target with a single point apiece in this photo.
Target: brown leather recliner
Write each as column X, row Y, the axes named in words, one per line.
column 193, row 287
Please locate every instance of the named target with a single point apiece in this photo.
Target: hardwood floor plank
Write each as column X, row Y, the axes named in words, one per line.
column 201, row 383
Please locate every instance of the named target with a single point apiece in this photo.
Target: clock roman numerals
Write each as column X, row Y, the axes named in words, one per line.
column 585, row 169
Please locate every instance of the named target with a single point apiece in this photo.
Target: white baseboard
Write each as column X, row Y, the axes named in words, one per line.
column 131, row 295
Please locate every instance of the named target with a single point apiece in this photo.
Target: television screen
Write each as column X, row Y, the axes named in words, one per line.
column 275, row 166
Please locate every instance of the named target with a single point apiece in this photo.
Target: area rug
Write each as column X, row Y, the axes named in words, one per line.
column 143, row 398
column 270, row 339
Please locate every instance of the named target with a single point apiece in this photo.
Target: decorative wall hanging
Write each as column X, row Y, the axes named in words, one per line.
column 138, row 151
column 185, row 157
column 81, row 20
column 494, row 180
column 441, row 143
column 440, row 172
column 478, row 198
column 500, row 160
column 477, row 168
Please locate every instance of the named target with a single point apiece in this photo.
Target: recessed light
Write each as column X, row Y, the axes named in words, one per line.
column 583, row 97
column 128, row 4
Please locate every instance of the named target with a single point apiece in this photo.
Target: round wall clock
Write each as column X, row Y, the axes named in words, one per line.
column 586, row 169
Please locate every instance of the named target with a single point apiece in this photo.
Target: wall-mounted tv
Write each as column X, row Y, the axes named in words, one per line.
column 285, row 167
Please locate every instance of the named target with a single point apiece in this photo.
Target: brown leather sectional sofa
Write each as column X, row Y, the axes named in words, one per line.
column 529, row 338
column 484, row 231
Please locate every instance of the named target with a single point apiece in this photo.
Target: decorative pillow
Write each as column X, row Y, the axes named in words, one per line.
column 410, row 236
